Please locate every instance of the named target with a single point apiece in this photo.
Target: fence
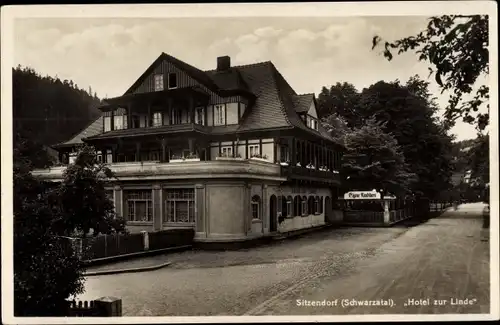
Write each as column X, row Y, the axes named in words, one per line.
column 170, row 238
column 364, row 217
column 104, row 246
column 112, row 245
column 436, row 206
column 102, row 307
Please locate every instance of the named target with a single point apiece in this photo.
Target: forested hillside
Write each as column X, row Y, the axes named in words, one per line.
column 47, row 110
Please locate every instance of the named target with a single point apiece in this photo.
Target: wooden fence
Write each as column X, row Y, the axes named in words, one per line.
column 104, row 246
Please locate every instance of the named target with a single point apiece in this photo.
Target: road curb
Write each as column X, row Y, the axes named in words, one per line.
column 132, row 270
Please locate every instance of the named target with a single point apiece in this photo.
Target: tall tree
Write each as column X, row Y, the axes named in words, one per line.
column 46, row 272
column 82, row 198
column 408, row 111
column 457, row 47
column 374, row 160
column 341, row 99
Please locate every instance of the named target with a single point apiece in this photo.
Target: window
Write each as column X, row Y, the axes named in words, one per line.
column 99, row 157
column 310, row 205
column 158, row 82
column 120, row 119
column 107, row 123
column 220, row 115
column 139, row 205
column 172, row 80
column 143, row 121
column 72, row 157
column 176, row 116
column 226, row 151
column 109, row 156
column 304, row 205
column 316, row 205
column 289, row 202
column 297, row 205
column 179, row 205
column 253, row 150
column 200, row 116
column 321, row 205
column 157, row 119
column 284, row 154
column 256, row 207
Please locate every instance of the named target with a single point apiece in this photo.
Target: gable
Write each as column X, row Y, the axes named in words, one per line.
column 164, row 68
column 312, row 110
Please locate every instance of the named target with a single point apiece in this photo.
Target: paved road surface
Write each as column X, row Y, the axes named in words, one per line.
column 443, row 259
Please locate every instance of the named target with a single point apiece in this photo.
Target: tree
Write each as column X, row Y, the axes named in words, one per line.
column 341, row 99
column 46, row 272
column 407, row 111
column 374, row 160
column 82, row 198
column 479, row 160
column 457, row 47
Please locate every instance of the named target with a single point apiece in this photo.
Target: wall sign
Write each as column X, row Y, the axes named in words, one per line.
column 362, row 195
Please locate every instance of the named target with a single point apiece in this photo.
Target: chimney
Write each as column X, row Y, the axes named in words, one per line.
column 223, row 63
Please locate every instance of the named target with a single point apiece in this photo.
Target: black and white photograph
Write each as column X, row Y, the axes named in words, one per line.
column 254, row 162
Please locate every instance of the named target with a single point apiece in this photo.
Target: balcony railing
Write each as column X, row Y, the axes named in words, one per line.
column 184, row 170
column 303, row 173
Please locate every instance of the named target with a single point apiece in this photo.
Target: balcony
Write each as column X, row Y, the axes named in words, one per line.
column 306, row 174
column 180, row 170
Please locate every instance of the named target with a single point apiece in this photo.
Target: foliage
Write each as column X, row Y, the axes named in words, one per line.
column 341, row 99
column 457, row 47
column 408, row 110
column 46, row 271
column 479, row 160
column 82, row 198
column 48, row 110
column 374, row 160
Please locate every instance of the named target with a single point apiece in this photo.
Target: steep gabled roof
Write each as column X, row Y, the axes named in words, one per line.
column 302, row 103
column 193, row 72
column 94, row 128
column 276, row 104
column 228, row 80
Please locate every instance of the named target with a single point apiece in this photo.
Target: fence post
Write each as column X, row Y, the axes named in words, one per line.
column 145, row 239
column 109, row 306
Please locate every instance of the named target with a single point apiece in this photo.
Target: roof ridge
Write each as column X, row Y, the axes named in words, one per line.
column 244, row 65
column 283, row 108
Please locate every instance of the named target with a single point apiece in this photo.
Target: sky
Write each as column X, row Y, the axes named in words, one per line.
column 109, row 54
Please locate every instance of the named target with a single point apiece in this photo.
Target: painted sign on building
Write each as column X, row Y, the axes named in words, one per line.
column 362, row 195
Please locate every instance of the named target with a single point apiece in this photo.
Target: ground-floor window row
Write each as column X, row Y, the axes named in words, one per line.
column 179, row 205
column 299, row 205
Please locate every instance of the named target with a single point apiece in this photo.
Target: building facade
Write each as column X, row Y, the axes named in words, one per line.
column 233, row 152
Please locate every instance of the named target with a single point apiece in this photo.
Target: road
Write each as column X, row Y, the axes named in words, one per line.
column 443, row 259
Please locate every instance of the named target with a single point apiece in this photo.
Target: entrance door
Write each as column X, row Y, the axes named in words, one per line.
column 328, row 210
column 273, row 216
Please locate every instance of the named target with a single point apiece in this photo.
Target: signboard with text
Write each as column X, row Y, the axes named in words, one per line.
column 362, row 195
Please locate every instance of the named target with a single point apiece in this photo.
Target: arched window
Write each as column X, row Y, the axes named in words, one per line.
column 304, row 205
column 321, row 207
column 256, row 207
column 316, row 205
column 296, row 205
column 284, row 207
column 310, row 205
column 289, row 205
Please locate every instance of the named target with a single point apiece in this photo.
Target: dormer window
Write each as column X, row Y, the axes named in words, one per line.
column 172, row 80
column 312, row 123
column 158, row 82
